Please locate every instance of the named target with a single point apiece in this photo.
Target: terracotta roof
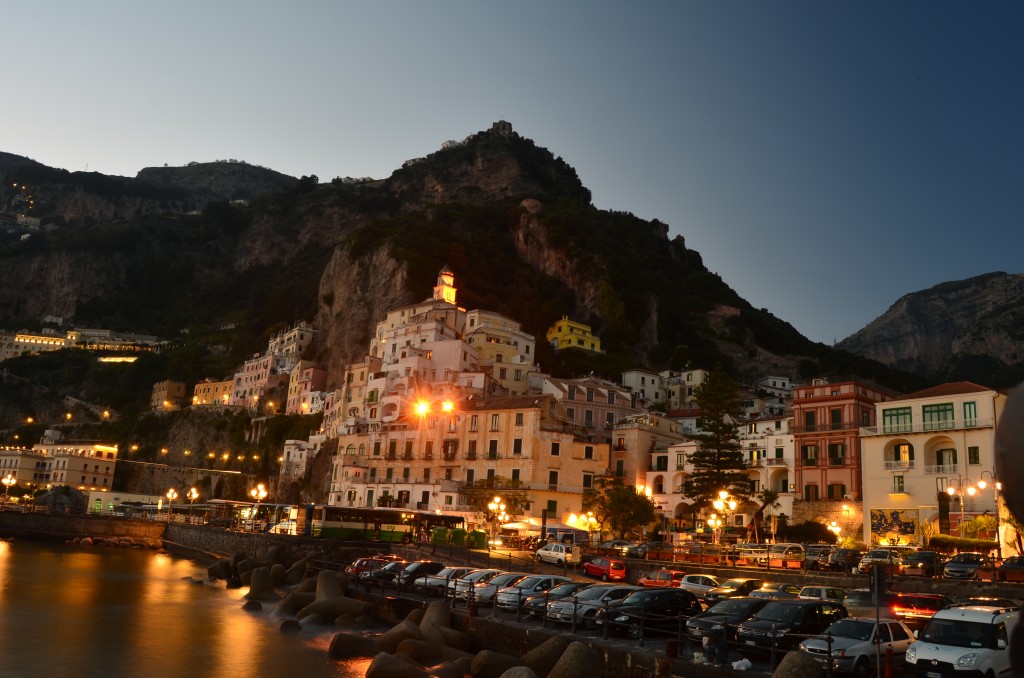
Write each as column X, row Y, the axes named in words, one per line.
column 952, row 388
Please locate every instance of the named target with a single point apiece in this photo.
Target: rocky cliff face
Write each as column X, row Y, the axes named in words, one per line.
column 982, row 316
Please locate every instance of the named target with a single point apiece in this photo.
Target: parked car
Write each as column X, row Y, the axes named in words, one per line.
column 559, row 554
column 776, row 590
column 646, row 610
column 728, row 613
column 619, row 546
column 385, row 574
column 1011, row 569
column 484, row 591
column 741, row 586
column 785, row 552
column 856, row 642
column 699, row 584
column 537, row 605
column 605, row 569
column 784, row 623
column 417, row 569
column 861, row 603
column 818, row 592
column 966, row 565
column 843, row 560
column 890, row 559
column 460, row 587
column 437, row 583
column 915, row 609
column 360, row 565
column 923, row 564
column 662, row 578
column 985, row 601
column 511, row 597
column 585, row 604
column 652, row 550
column 968, row 640
column 816, row 556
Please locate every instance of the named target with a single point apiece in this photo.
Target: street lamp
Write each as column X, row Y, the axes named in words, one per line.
column 498, row 515
column 8, row 480
column 997, row 487
column 259, row 493
column 192, row 495
column 589, row 519
column 724, row 504
column 172, row 494
column 963, row 486
column 835, row 529
column 714, row 522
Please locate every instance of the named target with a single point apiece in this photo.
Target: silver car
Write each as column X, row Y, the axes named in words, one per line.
column 457, row 588
column 511, row 597
column 855, row 649
column 484, row 591
column 699, row 584
column 585, row 604
column 436, row 583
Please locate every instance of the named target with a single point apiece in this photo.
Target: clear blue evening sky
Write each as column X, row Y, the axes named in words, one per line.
column 824, row 158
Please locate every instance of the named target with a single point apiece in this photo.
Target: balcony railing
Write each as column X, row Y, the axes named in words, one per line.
column 808, row 461
column 927, row 426
column 775, row 462
column 836, row 461
column 942, row 469
column 900, row 465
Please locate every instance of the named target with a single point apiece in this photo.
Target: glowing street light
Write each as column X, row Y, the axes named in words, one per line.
column 172, row 494
column 997, row 487
column 498, row 516
column 192, row 495
column 963, row 487
column 724, row 504
column 8, row 480
column 259, row 493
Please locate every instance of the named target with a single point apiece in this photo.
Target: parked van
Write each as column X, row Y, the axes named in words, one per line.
column 972, row 639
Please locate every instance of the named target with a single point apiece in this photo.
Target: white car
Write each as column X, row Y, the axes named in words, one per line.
column 699, row 584
column 458, row 587
column 971, row 639
column 511, row 597
column 436, row 583
column 559, row 554
column 832, row 594
column 855, row 644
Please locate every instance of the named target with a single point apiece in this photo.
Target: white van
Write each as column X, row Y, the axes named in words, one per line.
column 972, row 639
column 558, row 554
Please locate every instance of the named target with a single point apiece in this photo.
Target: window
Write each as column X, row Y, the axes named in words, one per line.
column 474, row 422
column 515, row 474
column 426, row 474
column 588, row 418
column 778, row 452
column 588, row 480
column 590, row 395
column 492, row 449
column 490, row 474
column 836, row 491
column 392, row 448
column 494, row 422
column 517, row 446
column 620, row 468
column 809, row 454
column 973, row 455
column 936, row 417
column 611, row 397
column 970, row 414
column 570, row 412
column 552, row 507
column 837, row 419
column 572, row 393
column 390, row 472
column 897, row 420
column 555, row 449
column 428, row 449
column 408, row 448
column 897, row 485
column 609, row 419
column 809, row 421
column 376, row 448
column 405, row 472
column 588, row 451
column 503, row 373
column 471, row 449
column 518, row 375
column 810, row 492
column 836, row 453
column 448, row 499
column 469, row 475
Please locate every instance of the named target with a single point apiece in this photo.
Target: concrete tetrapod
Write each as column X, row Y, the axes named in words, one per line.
column 261, row 585
column 386, row 665
column 797, row 665
column 578, row 660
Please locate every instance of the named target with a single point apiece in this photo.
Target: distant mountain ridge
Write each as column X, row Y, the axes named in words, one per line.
column 954, row 330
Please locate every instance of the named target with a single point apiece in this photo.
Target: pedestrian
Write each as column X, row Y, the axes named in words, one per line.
column 716, row 648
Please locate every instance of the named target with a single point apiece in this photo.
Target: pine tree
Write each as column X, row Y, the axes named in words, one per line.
column 718, row 461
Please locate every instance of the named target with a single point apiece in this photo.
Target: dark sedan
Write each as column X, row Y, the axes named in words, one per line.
column 649, row 609
column 966, row 565
column 1011, row 569
column 728, row 613
column 734, row 587
column 782, row 624
column 387, row 574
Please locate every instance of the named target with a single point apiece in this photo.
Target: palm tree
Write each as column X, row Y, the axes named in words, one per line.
column 768, row 499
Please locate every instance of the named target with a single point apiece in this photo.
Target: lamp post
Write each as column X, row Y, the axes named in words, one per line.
column 259, row 493
column 724, row 504
column 590, row 520
column 172, row 494
column 835, row 529
column 997, row 487
column 714, row 522
column 963, row 486
column 497, row 514
column 192, row 495
column 8, row 480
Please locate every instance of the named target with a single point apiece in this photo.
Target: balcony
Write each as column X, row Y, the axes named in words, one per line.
column 810, row 461
column 942, row 469
column 927, row 427
column 900, row 465
column 471, row 456
column 837, row 461
column 775, row 462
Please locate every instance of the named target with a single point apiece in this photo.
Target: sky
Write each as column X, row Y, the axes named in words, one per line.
column 824, row 158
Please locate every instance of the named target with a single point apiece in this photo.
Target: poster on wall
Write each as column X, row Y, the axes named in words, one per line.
column 894, row 527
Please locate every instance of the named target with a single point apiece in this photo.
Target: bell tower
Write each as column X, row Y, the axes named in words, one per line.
column 444, row 290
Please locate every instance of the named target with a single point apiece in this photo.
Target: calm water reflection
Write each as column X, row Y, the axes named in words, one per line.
column 68, row 610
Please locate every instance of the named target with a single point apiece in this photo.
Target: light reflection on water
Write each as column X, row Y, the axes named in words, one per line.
column 106, row 612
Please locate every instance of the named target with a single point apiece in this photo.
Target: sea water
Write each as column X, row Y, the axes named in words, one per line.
column 103, row 612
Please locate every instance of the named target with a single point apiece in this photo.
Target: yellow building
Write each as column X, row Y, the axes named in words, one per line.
column 209, row 392
column 167, row 395
column 570, row 334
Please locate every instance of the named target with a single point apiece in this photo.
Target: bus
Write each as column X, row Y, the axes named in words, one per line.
column 378, row 523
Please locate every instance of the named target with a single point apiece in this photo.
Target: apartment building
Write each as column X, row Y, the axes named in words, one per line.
column 929, row 462
column 567, row 333
column 593, row 403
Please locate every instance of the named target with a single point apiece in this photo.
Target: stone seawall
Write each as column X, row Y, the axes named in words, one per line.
column 61, row 527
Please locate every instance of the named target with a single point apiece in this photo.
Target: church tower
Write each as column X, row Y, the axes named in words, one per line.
column 445, row 288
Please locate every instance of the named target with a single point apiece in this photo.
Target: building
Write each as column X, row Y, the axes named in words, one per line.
column 593, row 403
column 645, row 384
column 208, row 393
column 306, row 388
column 167, row 395
column 505, row 351
column 567, row 333
column 827, row 418
column 919, row 448
column 14, row 344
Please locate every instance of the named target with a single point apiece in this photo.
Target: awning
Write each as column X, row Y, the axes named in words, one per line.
column 522, row 526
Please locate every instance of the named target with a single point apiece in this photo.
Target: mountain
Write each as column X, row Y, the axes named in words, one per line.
column 167, row 254
column 962, row 330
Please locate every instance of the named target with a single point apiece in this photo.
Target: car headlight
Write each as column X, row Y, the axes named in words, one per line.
column 912, row 654
column 968, row 660
column 622, row 618
column 781, row 631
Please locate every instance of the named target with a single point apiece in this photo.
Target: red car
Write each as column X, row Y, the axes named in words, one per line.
column 606, row 569
column 664, row 578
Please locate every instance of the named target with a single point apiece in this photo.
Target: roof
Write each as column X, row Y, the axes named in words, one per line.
column 976, row 613
column 951, row 388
